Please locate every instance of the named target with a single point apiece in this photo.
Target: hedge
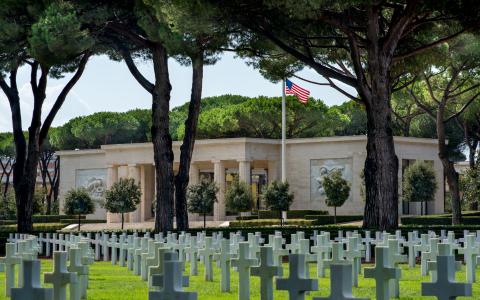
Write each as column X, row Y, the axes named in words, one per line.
column 49, row 218
column 84, row 221
column 291, row 214
column 270, row 222
column 436, row 220
column 37, row 227
column 7, row 222
column 324, row 220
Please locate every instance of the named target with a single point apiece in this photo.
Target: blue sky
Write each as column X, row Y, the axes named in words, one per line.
column 108, row 86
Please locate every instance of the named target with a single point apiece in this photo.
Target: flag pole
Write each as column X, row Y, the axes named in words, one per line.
column 284, row 121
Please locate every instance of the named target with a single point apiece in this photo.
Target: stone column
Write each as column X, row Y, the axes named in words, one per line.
column 112, row 177
column 244, row 171
column 134, row 173
column 194, row 174
column 219, row 178
column 272, row 173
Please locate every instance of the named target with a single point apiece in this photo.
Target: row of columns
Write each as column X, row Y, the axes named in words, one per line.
column 138, row 173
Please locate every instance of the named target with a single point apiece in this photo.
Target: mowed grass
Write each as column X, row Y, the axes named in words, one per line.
column 109, row 282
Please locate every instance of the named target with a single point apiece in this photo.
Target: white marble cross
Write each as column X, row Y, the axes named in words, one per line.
column 113, row 246
column 172, row 285
column 224, row 258
column 430, row 255
column 266, row 271
column 76, row 266
column 445, row 288
column 137, row 257
column 322, row 250
column 337, row 255
column 278, row 251
column 424, row 246
column 10, row 260
column 31, row 288
column 297, row 284
column 106, row 254
column 410, row 244
column 207, row 253
column 144, row 256
column 243, row 264
column 470, row 252
column 192, row 253
column 60, row 276
column 340, row 287
column 382, row 273
column 304, row 248
column 354, row 255
column 394, row 258
column 156, row 279
column 134, row 244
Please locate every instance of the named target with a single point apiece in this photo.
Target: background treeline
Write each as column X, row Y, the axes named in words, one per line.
column 231, row 116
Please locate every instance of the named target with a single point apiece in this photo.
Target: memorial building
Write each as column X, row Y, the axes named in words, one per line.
column 255, row 161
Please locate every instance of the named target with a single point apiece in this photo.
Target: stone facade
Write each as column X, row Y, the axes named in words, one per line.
column 255, row 161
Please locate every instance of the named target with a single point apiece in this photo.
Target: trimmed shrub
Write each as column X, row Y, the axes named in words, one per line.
column 419, row 183
column 201, row 198
column 337, row 190
column 277, row 197
column 123, row 197
column 238, row 197
column 78, row 202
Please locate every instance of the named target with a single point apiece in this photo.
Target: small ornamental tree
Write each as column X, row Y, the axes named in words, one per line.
column 238, row 197
column 201, row 198
column 78, row 202
column 337, row 190
column 419, row 183
column 277, row 197
column 123, row 197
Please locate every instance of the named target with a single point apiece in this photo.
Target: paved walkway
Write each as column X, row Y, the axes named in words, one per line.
column 138, row 226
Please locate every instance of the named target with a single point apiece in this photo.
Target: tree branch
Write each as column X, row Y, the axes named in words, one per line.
column 62, row 97
column 127, row 57
column 428, row 46
column 464, row 107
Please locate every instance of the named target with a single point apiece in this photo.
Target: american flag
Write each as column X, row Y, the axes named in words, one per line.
column 293, row 89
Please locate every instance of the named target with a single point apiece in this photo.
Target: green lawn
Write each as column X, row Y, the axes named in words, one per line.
column 109, row 282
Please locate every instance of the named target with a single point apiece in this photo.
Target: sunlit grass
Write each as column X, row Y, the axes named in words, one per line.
column 109, row 282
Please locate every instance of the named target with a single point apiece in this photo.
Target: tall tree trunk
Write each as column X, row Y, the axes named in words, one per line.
column 186, row 150
column 162, row 141
column 448, row 167
column 471, row 155
column 381, row 164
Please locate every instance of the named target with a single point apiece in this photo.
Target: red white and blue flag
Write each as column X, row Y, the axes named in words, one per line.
column 293, row 89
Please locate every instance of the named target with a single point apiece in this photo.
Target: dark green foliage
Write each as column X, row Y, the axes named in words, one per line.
column 201, row 198
column 470, row 185
column 438, row 220
column 78, row 202
column 277, row 196
column 238, row 197
column 419, row 183
column 123, row 197
column 337, row 190
column 8, row 208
